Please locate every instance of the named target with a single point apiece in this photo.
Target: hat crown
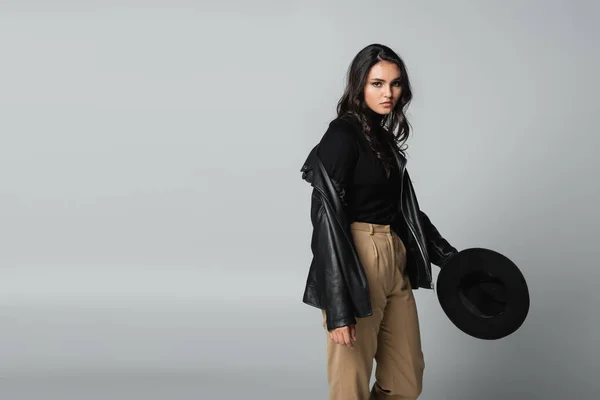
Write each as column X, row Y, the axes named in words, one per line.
column 483, row 293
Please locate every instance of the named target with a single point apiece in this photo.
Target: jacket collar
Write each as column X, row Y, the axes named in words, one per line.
column 313, row 171
column 309, row 165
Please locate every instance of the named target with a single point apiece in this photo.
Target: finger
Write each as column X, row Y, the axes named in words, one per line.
column 339, row 337
column 353, row 331
column 334, row 337
column 346, row 336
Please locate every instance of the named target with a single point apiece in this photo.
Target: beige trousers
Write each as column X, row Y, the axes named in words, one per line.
column 390, row 335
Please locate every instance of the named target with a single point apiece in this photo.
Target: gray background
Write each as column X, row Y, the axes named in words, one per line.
column 155, row 229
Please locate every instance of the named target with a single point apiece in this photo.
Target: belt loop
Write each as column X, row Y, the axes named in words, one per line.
column 371, row 232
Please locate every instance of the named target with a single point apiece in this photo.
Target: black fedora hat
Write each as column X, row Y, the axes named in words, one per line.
column 483, row 293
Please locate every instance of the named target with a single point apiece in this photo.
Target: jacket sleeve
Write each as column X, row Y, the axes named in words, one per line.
column 338, row 153
column 439, row 249
column 338, row 305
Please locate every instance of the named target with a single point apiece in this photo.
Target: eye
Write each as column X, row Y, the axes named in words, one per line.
column 376, row 84
column 397, row 83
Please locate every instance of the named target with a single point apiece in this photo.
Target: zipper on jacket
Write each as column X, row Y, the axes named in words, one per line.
column 422, row 255
column 412, row 231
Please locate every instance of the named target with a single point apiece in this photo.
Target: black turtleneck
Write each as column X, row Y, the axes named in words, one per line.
column 348, row 158
column 374, row 119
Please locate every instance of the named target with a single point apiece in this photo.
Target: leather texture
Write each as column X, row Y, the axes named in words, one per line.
column 336, row 280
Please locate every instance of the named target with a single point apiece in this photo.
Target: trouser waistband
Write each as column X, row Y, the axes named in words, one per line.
column 369, row 227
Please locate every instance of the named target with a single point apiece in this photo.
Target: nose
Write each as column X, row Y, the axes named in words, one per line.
column 387, row 92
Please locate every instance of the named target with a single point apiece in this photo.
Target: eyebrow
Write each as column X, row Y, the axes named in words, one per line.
column 383, row 80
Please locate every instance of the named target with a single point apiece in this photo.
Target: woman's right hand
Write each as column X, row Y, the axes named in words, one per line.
column 345, row 335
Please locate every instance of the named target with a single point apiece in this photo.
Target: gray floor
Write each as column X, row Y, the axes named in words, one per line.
column 260, row 384
column 159, row 352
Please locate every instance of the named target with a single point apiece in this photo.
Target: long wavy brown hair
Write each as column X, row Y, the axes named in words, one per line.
column 395, row 128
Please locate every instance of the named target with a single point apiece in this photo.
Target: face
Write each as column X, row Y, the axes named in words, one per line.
column 383, row 90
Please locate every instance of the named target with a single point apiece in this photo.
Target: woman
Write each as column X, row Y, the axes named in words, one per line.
column 371, row 243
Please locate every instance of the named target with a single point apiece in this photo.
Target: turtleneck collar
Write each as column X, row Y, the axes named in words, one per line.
column 374, row 119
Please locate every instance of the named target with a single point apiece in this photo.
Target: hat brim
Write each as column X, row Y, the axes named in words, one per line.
column 483, row 260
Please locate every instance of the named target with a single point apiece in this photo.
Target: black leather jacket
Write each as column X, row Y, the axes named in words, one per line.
column 336, row 279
